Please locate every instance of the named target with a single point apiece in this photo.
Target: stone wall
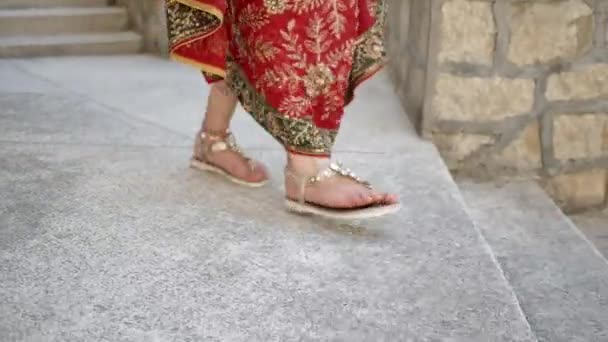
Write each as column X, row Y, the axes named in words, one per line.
column 148, row 18
column 510, row 87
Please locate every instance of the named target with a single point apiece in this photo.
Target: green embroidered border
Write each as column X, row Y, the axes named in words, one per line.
column 370, row 53
column 296, row 135
column 301, row 135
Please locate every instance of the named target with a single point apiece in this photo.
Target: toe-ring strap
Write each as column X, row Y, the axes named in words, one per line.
column 334, row 170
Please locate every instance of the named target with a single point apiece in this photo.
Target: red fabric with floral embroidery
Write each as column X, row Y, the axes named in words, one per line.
column 298, row 55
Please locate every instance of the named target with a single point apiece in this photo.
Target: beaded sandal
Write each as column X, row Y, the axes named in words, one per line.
column 301, row 206
column 209, row 143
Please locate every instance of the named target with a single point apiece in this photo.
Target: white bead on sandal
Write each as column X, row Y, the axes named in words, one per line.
column 301, row 206
column 219, row 143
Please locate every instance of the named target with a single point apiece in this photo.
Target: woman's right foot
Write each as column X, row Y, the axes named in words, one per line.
column 219, row 153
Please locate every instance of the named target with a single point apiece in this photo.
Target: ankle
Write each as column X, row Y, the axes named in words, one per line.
column 306, row 165
column 219, row 131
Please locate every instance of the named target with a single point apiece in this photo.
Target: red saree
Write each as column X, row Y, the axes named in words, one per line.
column 293, row 64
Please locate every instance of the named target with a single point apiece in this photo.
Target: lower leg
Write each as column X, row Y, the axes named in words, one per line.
column 215, row 128
column 220, row 108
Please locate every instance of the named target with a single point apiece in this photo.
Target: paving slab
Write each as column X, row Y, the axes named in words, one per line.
column 14, row 79
column 68, row 119
column 595, row 226
column 127, row 244
column 174, row 96
column 105, row 234
column 560, row 279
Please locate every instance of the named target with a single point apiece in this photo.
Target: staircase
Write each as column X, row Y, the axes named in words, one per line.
column 107, row 236
column 32, row 28
column 595, row 226
column 558, row 276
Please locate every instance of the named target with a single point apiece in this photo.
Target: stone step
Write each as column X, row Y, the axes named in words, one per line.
column 203, row 250
column 22, row 4
column 559, row 277
column 594, row 224
column 45, row 21
column 70, row 44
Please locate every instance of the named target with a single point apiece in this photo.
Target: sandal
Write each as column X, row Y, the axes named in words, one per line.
column 302, row 206
column 218, row 143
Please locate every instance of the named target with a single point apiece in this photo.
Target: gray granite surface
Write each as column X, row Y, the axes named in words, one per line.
column 595, row 226
column 106, row 235
column 560, row 279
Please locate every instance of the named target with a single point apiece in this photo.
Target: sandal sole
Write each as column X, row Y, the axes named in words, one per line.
column 341, row 214
column 201, row 166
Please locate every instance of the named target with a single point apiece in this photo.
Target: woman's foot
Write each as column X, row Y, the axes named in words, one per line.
column 219, row 153
column 335, row 188
column 216, row 150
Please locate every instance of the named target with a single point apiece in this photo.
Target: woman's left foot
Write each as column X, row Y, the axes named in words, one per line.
column 219, row 153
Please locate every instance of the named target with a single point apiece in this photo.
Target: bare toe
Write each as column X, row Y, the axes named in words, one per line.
column 391, row 199
column 378, row 198
column 364, row 199
column 347, row 202
column 258, row 173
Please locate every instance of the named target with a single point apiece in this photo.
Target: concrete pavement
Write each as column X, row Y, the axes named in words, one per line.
column 106, row 235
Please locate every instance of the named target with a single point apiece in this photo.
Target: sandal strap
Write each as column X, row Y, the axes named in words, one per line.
column 214, row 142
column 337, row 170
column 219, row 142
column 334, row 170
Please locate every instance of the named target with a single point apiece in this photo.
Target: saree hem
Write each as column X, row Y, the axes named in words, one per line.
column 206, row 68
column 299, row 136
column 204, row 7
column 369, row 73
column 175, row 54
column 300, row 153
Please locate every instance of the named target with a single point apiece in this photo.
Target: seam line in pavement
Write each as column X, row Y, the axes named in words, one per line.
column 123, row 115
column 112, row 110
column 135, row 146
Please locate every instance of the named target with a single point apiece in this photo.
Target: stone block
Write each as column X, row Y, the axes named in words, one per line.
column 543, row 32
column 416, row 82
column 468, row 32
column 149, row 19
column 559, row 279
column 482, row 99
column 397, row 27
column 585, row 83
column 524, row 153
column 459, row 146
column 419, row 31
column 579, row 136
column 581, row 190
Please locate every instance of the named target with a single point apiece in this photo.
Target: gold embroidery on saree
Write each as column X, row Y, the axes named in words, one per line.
column 275, row 6
column 319, row 73
column 185, row 23
column 297, row 135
